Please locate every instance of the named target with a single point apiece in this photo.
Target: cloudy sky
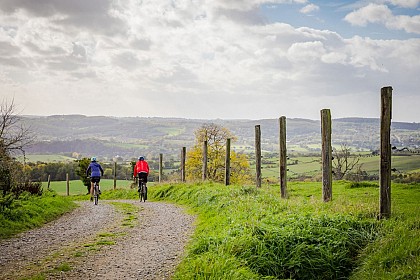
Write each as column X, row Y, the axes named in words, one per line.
column 229, row 59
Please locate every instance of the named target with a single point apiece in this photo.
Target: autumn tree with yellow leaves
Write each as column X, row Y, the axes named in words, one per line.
column 216, row 137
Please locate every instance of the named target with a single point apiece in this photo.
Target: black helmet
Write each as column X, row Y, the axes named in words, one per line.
column 141, row 158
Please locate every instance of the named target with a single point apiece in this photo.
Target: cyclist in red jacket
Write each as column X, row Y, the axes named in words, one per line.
column 141, row 169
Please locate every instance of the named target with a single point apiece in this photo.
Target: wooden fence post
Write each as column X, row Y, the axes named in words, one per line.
column 67, row 184
column 183, row 156
column 258, row 155
column 115, row 175
column 283, row 157
column 385, row 176
column 160, row 168
column 49, row 181
column 205, row 157
column 326, row 155
column 227, row 163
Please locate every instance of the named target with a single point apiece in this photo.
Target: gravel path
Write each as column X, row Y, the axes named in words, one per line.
column 148, row 249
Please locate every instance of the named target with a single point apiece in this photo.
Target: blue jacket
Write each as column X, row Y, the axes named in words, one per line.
column 95, row 169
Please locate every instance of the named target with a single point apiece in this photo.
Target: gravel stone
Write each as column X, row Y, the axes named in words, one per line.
column 150, row 250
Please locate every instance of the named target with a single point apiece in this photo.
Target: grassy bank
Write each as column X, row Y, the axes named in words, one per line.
column 244, row 233
column 29, row 212
column 396, row 255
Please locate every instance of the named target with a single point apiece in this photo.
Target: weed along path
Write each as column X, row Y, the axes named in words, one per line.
column 122, row 239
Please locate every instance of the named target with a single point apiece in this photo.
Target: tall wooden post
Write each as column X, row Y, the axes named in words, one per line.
column 258, row 155
column 227, row 163
column 283, row 157
column 160, row 168
column 205, row 158
column 49, row 181
column 326, row 155
column 385, row 176
column 183, row 156
column 67, row 184
column 115, row 175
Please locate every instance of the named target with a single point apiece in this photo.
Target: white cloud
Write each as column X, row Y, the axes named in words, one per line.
column 370, row 13
column 250, row 4
column 309, row 9
column 405, row 3
column 407, row 23
column 306, row 52
column 183, row 57
column 374, row 13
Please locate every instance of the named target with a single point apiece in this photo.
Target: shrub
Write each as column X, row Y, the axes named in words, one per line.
column 354, row 185
column 407, row 178
column 6, row 201
column 34, row 188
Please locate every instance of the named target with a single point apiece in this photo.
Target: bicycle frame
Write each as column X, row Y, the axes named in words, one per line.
column 142, row 190
column 95, row 193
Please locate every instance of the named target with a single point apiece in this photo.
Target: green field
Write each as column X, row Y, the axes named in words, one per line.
column 128, row 145
column 312, row 165
column 46, row 158
column 77, row 188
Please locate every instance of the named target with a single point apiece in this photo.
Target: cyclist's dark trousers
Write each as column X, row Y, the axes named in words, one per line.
column 95, row 179
column 142, row 175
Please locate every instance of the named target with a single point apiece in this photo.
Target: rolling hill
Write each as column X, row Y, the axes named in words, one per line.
column 130, row 136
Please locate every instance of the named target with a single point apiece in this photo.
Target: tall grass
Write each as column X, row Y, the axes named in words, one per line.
column 397, row 254
column 244, row 233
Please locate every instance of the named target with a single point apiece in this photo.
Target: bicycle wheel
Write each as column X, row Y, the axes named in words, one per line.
column 139, row 191
column 142, row 192
column 96, row 194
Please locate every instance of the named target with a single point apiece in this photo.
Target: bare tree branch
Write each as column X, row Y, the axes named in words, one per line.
column 14, row 136
column 343, row 162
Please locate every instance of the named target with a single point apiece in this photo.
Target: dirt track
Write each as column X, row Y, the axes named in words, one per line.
column 100, row 242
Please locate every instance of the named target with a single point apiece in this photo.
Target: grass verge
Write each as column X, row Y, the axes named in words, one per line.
column 29, row 212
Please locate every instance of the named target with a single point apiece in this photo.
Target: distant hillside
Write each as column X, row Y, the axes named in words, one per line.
column 129, row 137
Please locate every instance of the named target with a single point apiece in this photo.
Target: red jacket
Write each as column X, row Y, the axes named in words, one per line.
column 141, row 166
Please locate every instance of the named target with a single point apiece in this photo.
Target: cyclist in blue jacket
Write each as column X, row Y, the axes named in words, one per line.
column 96, row 172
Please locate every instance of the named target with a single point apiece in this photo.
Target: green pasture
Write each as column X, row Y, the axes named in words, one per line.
column 312, row 165
column 128, row 145
column 46, row 158
column 171, row 131
column 296, row 148
column 76, row 187
column 309, row 148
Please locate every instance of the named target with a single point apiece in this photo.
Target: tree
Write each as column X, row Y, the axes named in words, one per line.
column 14, row 136
column 216, row 136
column 343, row 162
column 5, row 170
column 83, row 165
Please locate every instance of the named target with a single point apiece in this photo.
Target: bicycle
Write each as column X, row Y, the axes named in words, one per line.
column 142, row 190
column 95, row 193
